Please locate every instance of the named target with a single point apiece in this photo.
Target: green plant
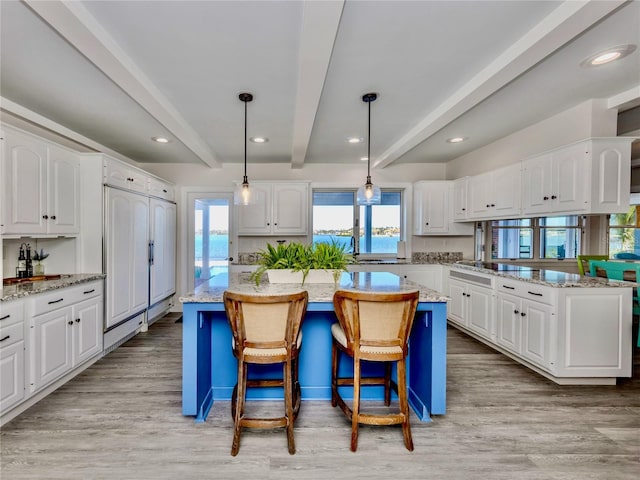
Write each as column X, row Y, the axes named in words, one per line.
column 303, row 258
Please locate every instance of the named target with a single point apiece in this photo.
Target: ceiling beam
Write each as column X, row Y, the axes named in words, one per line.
column 319, row 29
column 567, row 21
column 76, row 25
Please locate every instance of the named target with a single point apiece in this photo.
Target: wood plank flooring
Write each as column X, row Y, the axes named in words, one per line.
column 121, row 419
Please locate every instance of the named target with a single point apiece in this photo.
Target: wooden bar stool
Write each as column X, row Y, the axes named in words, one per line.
column 375, row 327
column 266, row 330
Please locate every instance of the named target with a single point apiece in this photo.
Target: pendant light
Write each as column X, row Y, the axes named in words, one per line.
column 242, row 194
column 369, row 194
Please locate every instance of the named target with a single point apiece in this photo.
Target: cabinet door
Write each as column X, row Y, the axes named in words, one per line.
column 119, row 174
column 478, row 196
column 457, row 305
column 51, row 347
column 127, row 255
column 509, row 312
column 290, row 208
column 87, row 330
column 506, row 192
column 162, row 236
column 611, row 175
column 63, row 205
column 571, row 174
column 429, row 276
column 460, row 199
column 431, row 208
column 11, row 375
column 480, row 311
column 24, row 183
column 536, row 333
column 537, row 184
column 255, row 219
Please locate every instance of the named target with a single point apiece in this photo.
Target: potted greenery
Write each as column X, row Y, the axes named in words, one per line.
column 297, row 263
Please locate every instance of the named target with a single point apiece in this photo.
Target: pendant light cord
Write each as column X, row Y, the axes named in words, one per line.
column 369, row 144
column 245, row 142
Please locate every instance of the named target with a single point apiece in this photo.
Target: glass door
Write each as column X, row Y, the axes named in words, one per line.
column 210, row 243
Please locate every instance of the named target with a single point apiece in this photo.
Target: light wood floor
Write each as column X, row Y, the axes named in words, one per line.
column 121, row 419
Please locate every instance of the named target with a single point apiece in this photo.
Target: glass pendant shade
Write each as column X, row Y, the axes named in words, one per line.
column 369, row 194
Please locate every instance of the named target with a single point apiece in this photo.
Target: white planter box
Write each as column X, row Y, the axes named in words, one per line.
column 314, row 276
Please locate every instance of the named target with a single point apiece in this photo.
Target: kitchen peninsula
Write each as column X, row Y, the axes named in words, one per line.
column 209, row 368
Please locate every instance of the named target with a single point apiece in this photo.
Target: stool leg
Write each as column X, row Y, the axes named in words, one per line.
column 288, row 403
column 355, row 415
column 387, row 383
column 334, row 374
column 404, row 404
column 237, row 421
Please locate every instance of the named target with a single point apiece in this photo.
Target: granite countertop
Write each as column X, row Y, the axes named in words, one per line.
column 19, row 290
column 541, row 276
column 212, row 291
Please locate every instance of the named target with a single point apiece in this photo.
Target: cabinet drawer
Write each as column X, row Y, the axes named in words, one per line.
column 11, row 312
column 529, row 291
column 10, row 334
column 161, row 189
column 64, row 297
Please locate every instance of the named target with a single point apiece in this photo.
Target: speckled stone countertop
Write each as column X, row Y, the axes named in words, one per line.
column 541, row 276
column 19, row 290
column 212, row 291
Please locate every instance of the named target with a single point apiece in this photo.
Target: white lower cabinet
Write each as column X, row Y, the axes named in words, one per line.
column 471, row 304
column 570, row 335
column 66, row 334
column 12, row 358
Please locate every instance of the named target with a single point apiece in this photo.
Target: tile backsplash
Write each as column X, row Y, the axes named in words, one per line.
column 436, row 257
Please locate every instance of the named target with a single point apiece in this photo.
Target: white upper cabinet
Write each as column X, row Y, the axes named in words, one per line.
column 41, row 186
column 495, row 194
column 460, row 206
column 121, row 175
column 588, row 177
column 433, row 210
column 277, row 209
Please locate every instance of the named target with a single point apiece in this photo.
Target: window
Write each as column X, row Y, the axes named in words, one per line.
column 550, row 237
column 336, row 218
column 624, row 235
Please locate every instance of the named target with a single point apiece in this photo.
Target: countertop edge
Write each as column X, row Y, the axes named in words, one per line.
column 26, row 289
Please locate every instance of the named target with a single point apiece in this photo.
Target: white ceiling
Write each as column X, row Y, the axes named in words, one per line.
column 121, row 72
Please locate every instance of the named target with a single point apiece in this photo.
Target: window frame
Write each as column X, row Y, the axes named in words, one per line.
column 357, row 220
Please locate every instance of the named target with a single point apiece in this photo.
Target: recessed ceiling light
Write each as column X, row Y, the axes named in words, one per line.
column 354, row 139
column 259, row 139
column 456, row 139
column 364, row 159
column 608, row 55
column 160, row 139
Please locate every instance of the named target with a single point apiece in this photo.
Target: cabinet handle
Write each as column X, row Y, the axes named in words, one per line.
column 536, row 294
column 45, row 217
column 164, row 190
column 56, row 301
column 70, row 322
column 268, row 224
column 522, row 314
column 488, row 205
column 463, row 209
column 553, row 197
column 493, row 204
column 545, row 198
column 275, row 224
column 5, row 338
column 5, row 317
column 89, row 291
column 77, row 320
column 508, row 287
column 53, row 217
column 516, row 312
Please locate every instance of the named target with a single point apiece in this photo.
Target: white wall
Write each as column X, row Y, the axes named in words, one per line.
column 589, row 119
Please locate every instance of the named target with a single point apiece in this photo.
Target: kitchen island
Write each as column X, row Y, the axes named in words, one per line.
column 209, row 368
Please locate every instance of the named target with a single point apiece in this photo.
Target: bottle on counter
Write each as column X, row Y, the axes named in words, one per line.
column 22, row 264
column 29, row 262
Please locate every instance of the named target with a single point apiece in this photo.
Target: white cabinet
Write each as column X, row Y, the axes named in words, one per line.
column 432, row 212
column 66, row 331
column 162, row 251
column 126, row 255
column 276, row 209
column 471, row 302
column 495, row 194
column 460, row 205
column 430, row 276
column 161, row 189
column 12, row 357
column 121, row 175
column 524, row 325
column 41, row 186
column 584, row 178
